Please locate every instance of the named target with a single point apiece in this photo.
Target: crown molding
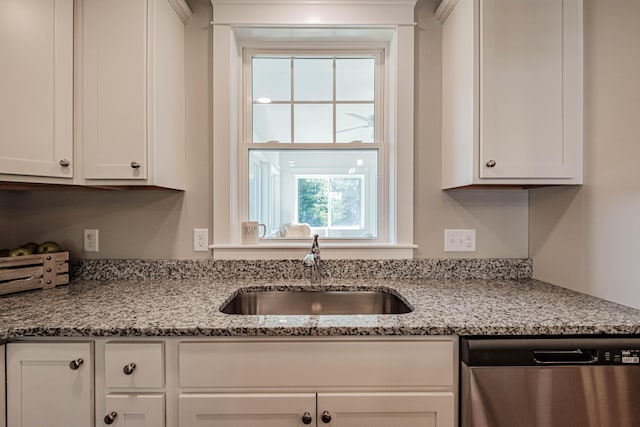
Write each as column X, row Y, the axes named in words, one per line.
column 182, row 9
column 445, row 8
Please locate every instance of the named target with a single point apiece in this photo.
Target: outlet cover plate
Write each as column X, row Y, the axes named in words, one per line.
column 91, row 240
column 200, row 239
column 459, row 240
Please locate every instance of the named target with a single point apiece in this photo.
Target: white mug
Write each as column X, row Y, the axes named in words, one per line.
column 250, row 234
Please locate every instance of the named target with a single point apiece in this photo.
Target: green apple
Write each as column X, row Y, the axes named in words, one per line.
column 48, row 247
column 20, row 252
column 32, row 246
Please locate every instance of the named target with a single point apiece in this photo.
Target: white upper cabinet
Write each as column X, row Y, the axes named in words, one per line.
column 132, row 90
column 512, row 92
column 36, row 87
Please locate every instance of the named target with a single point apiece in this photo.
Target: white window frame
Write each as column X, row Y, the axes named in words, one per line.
column 380, row 138
column 247, row 23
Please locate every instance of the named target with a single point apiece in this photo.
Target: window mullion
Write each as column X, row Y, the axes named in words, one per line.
column 335, row 126
column 292, row 105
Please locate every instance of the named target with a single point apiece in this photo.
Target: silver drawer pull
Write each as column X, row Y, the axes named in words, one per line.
column 128, row 369
column 491, row 163
column 75, row 364
column 306, row 418
column 135, row 165
column 109, row 419
column 64, row 163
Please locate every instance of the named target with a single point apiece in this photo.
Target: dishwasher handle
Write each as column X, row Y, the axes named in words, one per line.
column 556, row 357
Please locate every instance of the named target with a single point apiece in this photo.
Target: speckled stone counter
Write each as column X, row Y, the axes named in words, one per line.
column 190, row 307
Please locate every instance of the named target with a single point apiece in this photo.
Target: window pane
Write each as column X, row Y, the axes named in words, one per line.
column 355, row 79
column 272, row 79
column 313, row 123
column 313, row 201
column 346, row 202
column 313, row 79
column 355, row 122
column 271, row 122
column 333, row 191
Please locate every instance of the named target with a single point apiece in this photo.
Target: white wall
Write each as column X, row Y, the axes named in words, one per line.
column 588, row 238
column 501, row 217
column 137, row 224
column 159, row 224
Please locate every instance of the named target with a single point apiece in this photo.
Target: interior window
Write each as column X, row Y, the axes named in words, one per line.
column 314, row 147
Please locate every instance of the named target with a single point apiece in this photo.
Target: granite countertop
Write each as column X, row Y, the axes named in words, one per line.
column 190, row 307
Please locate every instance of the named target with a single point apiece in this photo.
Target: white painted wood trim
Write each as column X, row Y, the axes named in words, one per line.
column 445, row 8
column 182, row 9
column 301, row 12
column 297, row 251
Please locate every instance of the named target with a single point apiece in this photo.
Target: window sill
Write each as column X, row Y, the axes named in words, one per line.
column 297, row 250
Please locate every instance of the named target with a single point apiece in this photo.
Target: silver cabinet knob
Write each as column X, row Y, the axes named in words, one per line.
column 128, row 369
column 75, row 364
column 491, row 163
column 110, row 418
column 64, row 163
column 135, row 165
column 326, row 417
column 306, row 418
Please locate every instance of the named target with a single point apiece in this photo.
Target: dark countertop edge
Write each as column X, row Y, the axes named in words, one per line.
column 264, row 332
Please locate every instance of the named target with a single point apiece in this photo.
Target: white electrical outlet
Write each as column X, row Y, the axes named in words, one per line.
column 200, row 239
column 91, row 240
column 460, row 240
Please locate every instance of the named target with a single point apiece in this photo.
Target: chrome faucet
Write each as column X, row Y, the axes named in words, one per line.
column 312, row 260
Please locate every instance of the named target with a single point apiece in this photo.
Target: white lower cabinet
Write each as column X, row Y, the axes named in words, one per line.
column 3, row 397
column 134, row 410
column 323, row 409
column 231, row 382
column 134, row 381
column 428, row 409
column 49, row 384
column 239, row 410
column 332, row 382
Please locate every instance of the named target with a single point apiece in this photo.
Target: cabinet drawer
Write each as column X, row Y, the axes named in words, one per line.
column 134, row 365
column 317, row 363
column 140, row 410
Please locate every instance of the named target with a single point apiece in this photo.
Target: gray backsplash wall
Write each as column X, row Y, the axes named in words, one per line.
column 159, row 224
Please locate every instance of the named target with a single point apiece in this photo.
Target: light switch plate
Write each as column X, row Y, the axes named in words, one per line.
column 459, row 240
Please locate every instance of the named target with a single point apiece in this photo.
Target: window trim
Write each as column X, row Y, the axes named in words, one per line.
column 243, row 23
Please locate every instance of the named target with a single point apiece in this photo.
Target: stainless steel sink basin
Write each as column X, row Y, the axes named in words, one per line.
column 316, row 302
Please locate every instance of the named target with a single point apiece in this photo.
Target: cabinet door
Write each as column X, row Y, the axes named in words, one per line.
column 36, row 83
column 246, row 410
column 134, row 410
column 3, row 407
column 529, row 77
column 49, row 385
column 385, row 409
column 114, row 135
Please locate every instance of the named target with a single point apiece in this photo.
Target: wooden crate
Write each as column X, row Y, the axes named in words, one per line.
column 42, row 271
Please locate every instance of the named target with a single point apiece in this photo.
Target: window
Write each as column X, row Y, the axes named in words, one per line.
column 258, row 173
column 334, row 191
column 312, row 143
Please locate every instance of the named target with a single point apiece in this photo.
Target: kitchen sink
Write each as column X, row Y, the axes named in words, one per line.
column 304, row 302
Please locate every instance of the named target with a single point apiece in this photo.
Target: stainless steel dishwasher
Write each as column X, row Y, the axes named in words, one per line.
column 581, row 382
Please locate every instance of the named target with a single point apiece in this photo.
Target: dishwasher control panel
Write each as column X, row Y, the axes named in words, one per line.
column 621, row 357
